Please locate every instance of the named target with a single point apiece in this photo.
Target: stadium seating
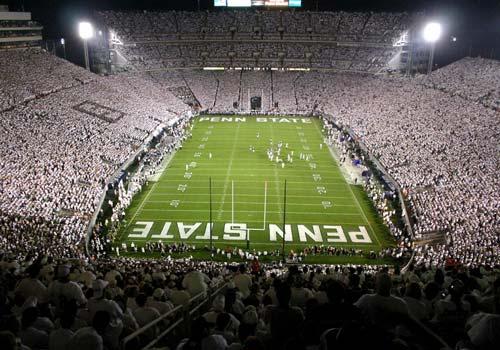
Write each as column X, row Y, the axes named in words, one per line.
column 476, row 79
column 421, row 135
column 66, row 132
column 128, row 303
column 60, row 147
column 361, row 42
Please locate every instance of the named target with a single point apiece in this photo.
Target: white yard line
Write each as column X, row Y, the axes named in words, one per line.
column 277, row 180
column 256, row 203
column 315, row 222
column 216, row 175
column 298, row 166
column 228, row 173
column 253, row 211
column 364, row 216
column 260, row 181
column 163, row 194
column 218, row 187
column 141, row 206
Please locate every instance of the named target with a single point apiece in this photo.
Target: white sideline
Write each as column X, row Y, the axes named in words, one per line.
column 352, row 193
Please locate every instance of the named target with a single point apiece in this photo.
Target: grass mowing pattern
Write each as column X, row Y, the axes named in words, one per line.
column 233, row 163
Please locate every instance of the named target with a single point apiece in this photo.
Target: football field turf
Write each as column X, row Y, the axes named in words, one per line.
column 247, row 191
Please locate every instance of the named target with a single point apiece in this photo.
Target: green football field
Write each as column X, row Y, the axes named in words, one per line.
column 247, row 199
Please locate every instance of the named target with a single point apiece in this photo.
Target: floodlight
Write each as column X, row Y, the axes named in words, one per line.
column 454, row 38
column 85, row 30
column 62, row 41
column 432, row 32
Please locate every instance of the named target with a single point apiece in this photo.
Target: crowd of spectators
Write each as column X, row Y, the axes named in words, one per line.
column 48, row 303
column 383, row 198
column 56, row 158
column 64, row 133
column 438, row 148
column 152, row 163
column 436, row 144
column 23, row 81
column 325, row 55
column 476, row 79
column 264, row 38
column 347, row 26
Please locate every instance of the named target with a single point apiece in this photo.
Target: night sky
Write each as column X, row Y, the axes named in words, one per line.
column 475, row 23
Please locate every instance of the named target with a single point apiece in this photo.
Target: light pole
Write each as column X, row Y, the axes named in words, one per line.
column 63, row 43
column 86, row 31
column 431, row 34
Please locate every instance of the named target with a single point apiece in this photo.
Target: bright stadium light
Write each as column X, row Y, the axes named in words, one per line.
column 85, row 30
column 432, row 33
column 63, row 43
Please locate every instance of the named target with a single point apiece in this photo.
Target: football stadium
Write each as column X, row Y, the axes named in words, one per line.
column 249, row 174
column 231, row 171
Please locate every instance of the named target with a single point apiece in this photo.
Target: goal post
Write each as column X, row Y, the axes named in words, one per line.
column 264, row 212
column 264, row 219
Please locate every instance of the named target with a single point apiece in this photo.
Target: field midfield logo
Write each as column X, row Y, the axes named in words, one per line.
column 238, row 232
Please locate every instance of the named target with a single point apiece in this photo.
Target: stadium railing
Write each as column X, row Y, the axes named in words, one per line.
column 186, row 313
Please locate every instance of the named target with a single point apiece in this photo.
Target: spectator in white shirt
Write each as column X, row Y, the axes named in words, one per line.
column 243, row 281
column 195, row 282
column 300, row 294
column 158, row 301
column 99, row 303
column 382, row 309
column 63, row 290
column 178, row 295
column 145, row 315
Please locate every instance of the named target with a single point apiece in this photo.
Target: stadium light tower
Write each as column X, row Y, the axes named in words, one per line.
column 63, row 43
column 431, row 33
column 86, row 32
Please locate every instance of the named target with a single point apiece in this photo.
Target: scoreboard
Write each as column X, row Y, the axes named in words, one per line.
column 258, row 3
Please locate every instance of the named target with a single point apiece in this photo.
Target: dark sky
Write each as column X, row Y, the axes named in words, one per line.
column 475, row 23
